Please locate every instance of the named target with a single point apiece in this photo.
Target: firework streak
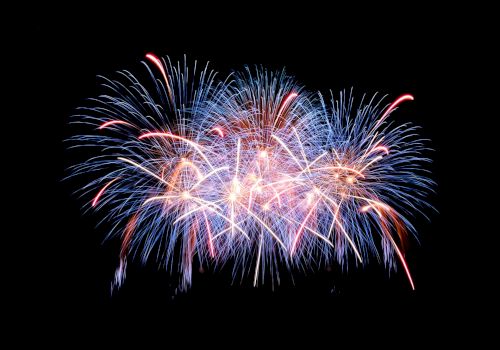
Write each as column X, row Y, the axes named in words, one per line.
column 251, row 169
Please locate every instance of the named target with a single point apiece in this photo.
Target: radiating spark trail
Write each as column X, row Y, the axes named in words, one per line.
column 370, row 163
column 143, row 169
column 316, row 233
column 357, row 172
column 232, row 223
column 342, row 229
column 284, row 105
column 238, row 149
column 218, row 131
column 287, row 149
column 267, row 228
column 157, row 62
column 157, row 198
column 301, row 149
column 257, row 264
column 403, row 261
column 380, row 148
column 210, row 237
column 99, row 194
column 389, row 236
column 113, row 122
column 301, row 228
column 393, row 105
column 196, row 146
column 203, row 178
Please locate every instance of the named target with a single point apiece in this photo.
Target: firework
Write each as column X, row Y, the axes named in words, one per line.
column 251, row 169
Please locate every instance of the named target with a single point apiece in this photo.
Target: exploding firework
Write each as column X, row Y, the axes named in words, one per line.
column 251, row 169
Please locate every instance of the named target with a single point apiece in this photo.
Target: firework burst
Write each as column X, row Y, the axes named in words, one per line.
column 251, row 169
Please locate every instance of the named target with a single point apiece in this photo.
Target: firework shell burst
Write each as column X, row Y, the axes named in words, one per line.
column 251, row 169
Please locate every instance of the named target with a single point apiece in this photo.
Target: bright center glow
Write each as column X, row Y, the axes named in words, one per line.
column 235, row 186
column 310, row 197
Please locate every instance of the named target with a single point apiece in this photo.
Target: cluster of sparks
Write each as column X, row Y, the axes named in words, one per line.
column 250, row 169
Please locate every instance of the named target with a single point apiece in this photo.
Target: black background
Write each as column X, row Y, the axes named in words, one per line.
column 393, row 55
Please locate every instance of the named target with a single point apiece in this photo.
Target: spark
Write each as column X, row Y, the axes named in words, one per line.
column 287, row 149
column 99, row 194
column 257, row 264
column 357, row 172
column 285, row 104
column 393, row 105
column 342, row 229
column 143, row 169
column 113, row 122
column 218, row 131
column 196, row 146
column 157, row 62
column 301, row 228
column 203, row 178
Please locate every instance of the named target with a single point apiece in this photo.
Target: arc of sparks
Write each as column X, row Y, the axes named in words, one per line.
column 402, row 98
column 301, row 228
column 257, row 264
column 193, row 144
column 211, row 247
column 342, row 229
column 288, row 150
column 376, row 159
column 218, row 131
column 315, row 233
column 235, row 225
column 158, row 63
column 284, row 105
column 99, row 194
column 389, row 236
column 113, row 122
column 209, row 175
column 374, row 150
column 265, row 225
column 357, row 172
column 144, row 169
